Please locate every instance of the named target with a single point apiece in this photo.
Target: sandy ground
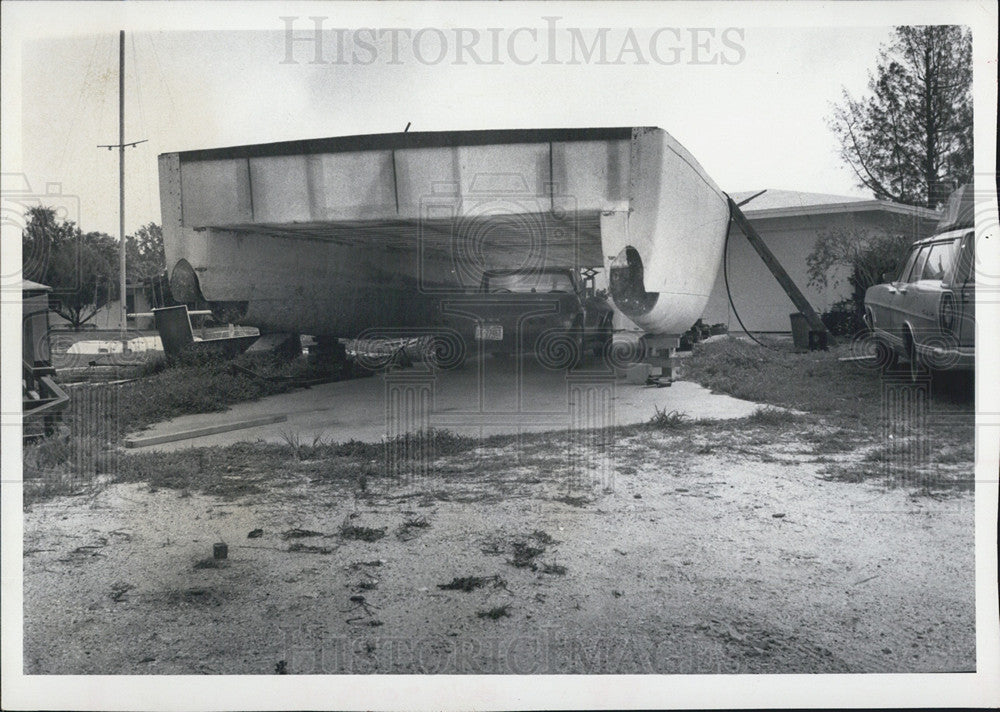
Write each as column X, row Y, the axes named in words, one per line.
column 661, row 563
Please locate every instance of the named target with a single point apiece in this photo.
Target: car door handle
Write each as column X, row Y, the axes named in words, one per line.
column 901, row 290
column 891, row 290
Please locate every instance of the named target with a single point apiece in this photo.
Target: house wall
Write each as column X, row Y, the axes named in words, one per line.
column 760, row 300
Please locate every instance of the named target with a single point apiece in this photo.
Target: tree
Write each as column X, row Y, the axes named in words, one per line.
column 146, row 264
column 863, row 256
column 144, row 258
column 910, row 140
column 81, row 268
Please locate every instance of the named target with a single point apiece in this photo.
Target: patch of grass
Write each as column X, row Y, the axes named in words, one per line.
column 369, row 534
column 300, row 534
column 300, row 548
column 230, row 472
column 956, row 454
column 495, row 613
column 833, row 441
column 853, row 472
column 471, row 583
column 768, row 416
column 572, row 500
column 524, row 555
column 815, row 382
column 406, row 532
column 523, row 550
column 300, row 450
column 664, row 420
column 557, row 569
column 542, row 537
column 51, row 469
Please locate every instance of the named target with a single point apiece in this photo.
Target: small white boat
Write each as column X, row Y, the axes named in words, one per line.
column 335, row 236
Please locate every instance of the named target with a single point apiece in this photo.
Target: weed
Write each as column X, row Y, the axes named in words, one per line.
column 524, row 555
column 300, row 534
column 405, row 532
column 293, row 442
column 663, row 420
column 557, row 569
column 300, row 548
column 471, row 583
column 495, row 613
column 542, row 537
column 369, row 534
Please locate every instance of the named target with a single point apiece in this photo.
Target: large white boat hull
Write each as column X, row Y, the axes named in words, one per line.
column 335, row 236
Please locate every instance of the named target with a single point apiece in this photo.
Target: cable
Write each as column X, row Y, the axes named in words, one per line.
column 725, row 274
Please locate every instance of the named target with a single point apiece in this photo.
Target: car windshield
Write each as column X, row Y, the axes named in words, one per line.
column 530, row 282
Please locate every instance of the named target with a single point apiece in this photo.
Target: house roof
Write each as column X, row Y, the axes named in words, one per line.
column 792, row 203
column 28, row 286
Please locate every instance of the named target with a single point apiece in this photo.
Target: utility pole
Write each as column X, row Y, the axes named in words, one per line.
column 121, row 145
column 121, row 178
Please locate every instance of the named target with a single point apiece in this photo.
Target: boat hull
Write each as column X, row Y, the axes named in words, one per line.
column 337, row 236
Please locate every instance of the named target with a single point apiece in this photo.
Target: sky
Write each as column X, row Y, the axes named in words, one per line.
column 755, row 118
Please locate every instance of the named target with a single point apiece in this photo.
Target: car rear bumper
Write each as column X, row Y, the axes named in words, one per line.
column 958, row 358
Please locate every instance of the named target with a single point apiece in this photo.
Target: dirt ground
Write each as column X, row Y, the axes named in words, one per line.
column 687, row 552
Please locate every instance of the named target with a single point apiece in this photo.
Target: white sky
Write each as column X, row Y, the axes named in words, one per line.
column 759, row 123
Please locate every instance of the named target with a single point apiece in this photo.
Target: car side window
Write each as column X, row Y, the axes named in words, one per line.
column 965, row 272
column 917, row 267
column 907, row 266
column 939, row 260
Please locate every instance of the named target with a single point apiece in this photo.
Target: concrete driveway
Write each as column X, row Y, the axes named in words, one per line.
column 484, row 397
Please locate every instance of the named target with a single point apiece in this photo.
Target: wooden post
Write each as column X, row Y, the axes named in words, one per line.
column 797, row 297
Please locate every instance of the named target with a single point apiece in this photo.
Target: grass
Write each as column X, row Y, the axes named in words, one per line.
column 471, row 583
column 495, row 613
column 355, row 533
column 841, row 402
column 524, row 555
column 406, row 530
column 300, row 548
column 663, row 420
column 768, row 416
column 815, row 382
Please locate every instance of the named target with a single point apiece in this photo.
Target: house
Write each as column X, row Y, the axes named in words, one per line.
column 108, row 317
column 790, row 222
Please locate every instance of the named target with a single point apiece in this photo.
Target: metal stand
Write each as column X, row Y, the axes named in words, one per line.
column 660, row 351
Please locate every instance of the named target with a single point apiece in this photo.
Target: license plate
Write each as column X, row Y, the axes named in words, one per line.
column 489, row 332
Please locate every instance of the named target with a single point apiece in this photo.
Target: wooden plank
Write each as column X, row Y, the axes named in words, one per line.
column 793, row 292
column 207, row 430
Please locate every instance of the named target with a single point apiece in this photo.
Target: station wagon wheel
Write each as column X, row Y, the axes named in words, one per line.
column 886, row 356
